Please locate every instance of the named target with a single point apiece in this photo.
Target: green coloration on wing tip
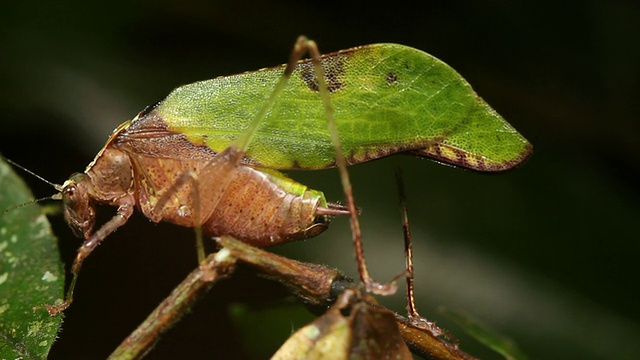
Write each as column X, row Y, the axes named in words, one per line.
column 387, row 98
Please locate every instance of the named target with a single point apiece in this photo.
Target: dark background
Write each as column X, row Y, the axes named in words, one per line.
column 545, row 254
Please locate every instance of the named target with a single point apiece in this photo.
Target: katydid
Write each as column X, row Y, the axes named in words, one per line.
column 207, row 155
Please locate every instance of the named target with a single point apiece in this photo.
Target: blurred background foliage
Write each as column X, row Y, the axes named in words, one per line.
column 545, row 254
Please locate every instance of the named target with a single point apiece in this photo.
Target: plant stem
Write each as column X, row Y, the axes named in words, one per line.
column 170, row 311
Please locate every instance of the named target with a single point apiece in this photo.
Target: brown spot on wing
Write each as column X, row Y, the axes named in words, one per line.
column 392, row 78
column 333, row 66
column 372, row 153
column 456, row 157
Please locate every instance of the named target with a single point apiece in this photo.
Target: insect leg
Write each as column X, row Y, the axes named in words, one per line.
column 194, row 209
column 125, row 210
column 205, row 188
column 304, row 45
column 408, row 249
column 213, row 179
column 412, row 312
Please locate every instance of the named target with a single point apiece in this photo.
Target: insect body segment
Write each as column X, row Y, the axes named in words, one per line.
column 218, row 194
column 258, row 207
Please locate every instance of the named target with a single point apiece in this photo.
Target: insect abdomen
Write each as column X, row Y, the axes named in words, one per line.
column 262, row 210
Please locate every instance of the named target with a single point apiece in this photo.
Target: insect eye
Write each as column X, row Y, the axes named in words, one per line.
column 69, row 194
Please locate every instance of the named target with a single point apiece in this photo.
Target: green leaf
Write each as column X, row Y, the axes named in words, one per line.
column 31, row 273
column 351, row 329
column 499, row 343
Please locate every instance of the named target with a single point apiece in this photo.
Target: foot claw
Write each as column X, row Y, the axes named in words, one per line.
column 53, row 310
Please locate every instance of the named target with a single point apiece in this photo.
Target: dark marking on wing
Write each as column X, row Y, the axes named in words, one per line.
column 458, row 158
column 333, row 72
column 392, row 78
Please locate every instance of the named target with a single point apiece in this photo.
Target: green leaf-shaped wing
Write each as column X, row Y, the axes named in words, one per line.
column 387, row 98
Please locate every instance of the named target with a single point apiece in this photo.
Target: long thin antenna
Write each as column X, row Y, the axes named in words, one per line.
column 57, row 196
column 55, row 186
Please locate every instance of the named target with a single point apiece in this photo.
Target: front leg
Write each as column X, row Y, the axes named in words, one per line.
column 125, row 209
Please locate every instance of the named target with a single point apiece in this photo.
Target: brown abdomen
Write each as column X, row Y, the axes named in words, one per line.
column 258, row 211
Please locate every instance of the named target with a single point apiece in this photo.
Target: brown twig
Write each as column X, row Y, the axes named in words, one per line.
column 312, row 283
column 171, row 310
